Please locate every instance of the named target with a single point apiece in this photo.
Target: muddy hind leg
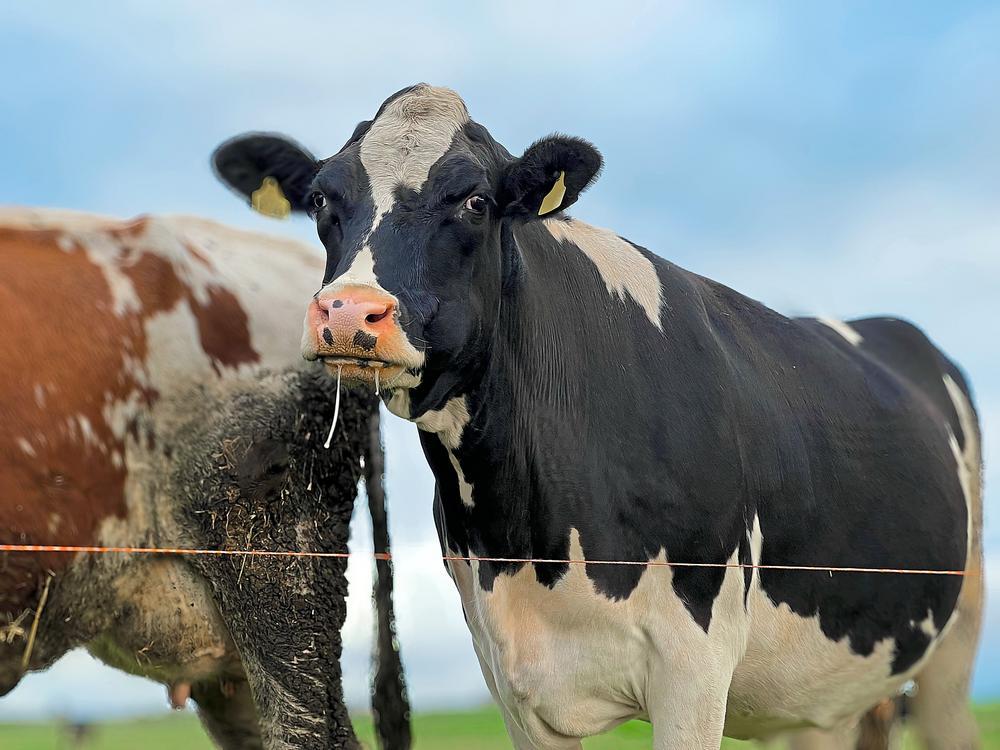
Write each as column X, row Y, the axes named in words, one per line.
column 228, row 714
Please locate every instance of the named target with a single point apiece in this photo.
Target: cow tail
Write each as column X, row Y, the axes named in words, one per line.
column 390, row 704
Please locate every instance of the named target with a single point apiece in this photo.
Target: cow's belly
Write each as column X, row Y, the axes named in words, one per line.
column 568, row 662
column 793, row 676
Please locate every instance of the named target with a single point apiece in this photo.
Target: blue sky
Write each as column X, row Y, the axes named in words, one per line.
column 835, row 159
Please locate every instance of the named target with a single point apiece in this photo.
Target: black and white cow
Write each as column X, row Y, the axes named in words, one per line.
column 579, row 397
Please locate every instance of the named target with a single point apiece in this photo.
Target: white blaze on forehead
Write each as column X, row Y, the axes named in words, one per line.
column 849, row 334
column 621, row 266
column 361, row 273
column 406, row 139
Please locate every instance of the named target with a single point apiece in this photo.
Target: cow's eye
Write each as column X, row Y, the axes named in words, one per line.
column 317, row 202
column 476, row 204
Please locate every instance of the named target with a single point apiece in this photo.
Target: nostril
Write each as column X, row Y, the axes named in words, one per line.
column 376, row 317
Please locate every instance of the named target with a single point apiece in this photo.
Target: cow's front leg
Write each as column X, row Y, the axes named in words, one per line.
column 688, row 708
column 518, row 737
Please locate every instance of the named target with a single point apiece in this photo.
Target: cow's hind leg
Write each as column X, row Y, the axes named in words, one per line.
column 874, row 731
column 941, row 708
column 228, row 714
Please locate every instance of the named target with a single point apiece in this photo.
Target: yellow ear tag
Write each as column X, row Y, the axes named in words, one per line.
column 554, row 199
column 269, row 200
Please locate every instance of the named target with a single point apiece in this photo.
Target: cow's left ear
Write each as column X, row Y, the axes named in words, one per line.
column 271, row 171
column 550, row 176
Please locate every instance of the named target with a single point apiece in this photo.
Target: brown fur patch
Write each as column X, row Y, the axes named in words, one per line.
column 224, row 329
column 68, row 357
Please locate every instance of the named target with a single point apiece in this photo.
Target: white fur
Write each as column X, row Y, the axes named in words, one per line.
column 967, row 461
column 399, row 149
column 851, row 336
column 408, row 137
column 449, row 423
column 622, row 268
column 568, row 662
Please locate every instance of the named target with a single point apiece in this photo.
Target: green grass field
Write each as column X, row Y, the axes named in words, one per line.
column 473, row 730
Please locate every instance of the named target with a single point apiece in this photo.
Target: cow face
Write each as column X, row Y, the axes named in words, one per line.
column 415, row 213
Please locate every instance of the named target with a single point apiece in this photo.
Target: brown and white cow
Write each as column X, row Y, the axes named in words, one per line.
column 153, row 397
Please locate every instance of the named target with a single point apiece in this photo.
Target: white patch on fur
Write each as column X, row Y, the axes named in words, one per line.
column 399, row 149
column 399, row 403
column 792, row 674
column 105, row 252
column 622, row 267
column 927, row 625
column 448, row 424
column 851, row 336
column 570, row 660
column 408, row 137
column 966, row 461
column 87, row 432
column 756, row 544
column 25, row 446
column 360, row 273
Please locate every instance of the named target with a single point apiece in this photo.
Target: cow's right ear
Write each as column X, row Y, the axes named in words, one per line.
column 549, row 177
column 271, row 171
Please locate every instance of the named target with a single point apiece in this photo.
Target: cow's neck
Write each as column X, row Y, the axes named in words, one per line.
column 512, row 450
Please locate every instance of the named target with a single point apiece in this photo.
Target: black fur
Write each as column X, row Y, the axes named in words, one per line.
column 643, row 438
column 527, row 181
column 244, row 161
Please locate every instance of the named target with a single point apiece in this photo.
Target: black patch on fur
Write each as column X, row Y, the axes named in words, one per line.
column 745, row 558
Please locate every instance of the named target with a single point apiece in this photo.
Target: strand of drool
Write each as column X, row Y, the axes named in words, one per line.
column 336, row 411
column 376, row 383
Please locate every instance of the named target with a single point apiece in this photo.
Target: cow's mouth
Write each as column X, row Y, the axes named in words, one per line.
column 377, row 373
column 359, row 362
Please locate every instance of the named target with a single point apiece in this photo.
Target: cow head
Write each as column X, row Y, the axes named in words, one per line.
column 413, row 212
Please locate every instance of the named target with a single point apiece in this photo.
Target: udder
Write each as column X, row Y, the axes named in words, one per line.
column 166, row 627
